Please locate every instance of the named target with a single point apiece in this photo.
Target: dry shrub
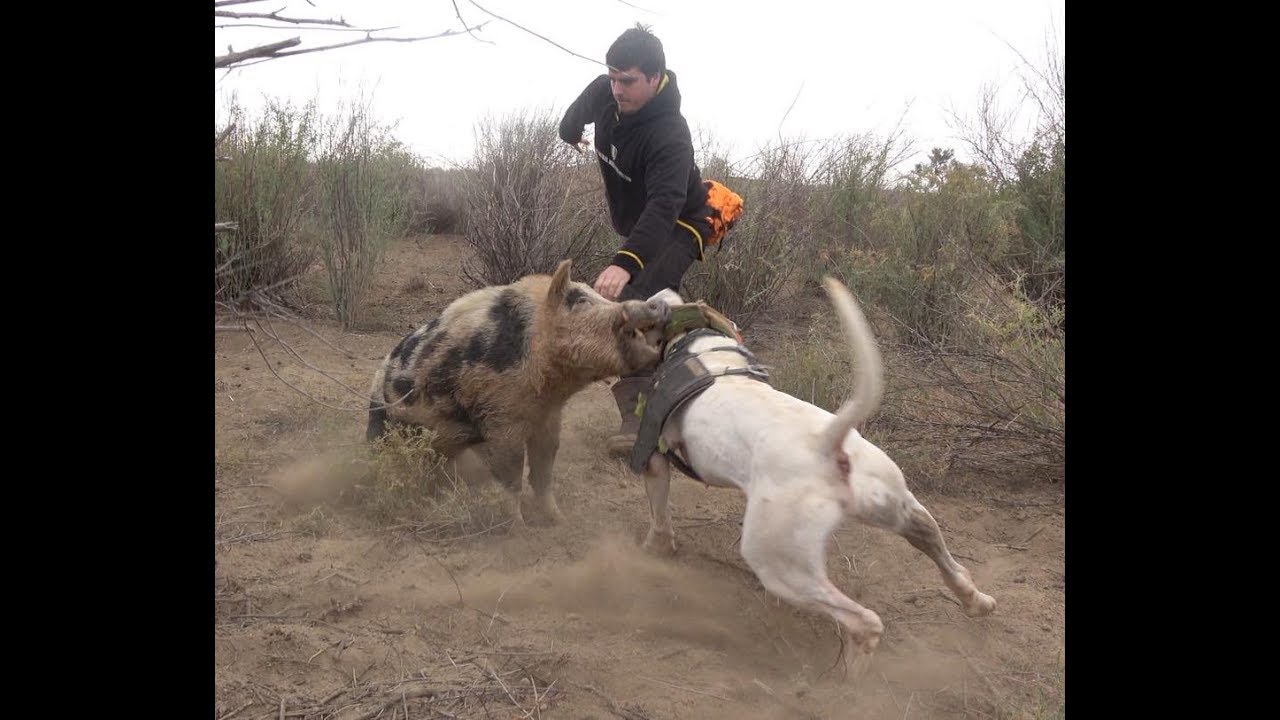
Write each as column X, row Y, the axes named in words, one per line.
column 531, row 201
column 410, row 483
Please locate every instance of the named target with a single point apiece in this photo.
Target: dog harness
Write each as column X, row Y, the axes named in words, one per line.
column 680, row 378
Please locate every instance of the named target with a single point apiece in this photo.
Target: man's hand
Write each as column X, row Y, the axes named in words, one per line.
column 611, row 281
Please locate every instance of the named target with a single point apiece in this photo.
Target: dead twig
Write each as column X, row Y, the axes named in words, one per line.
column 221, row 62
column 277, row 18
column 295, row 388
column 331, row 29
column 268, row 50
column 489, row 670
column 403, row 696
column 464, row 23
column 456, row 586
column 222, row 136
column 541, row 37
column 892, row 697
column 1032, row 535
column 1022, row 545
column 236, row 711
column 613, row 706
column 686, row 689
column 265, row 535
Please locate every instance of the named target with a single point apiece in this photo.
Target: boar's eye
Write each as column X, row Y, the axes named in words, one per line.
column 576, row 298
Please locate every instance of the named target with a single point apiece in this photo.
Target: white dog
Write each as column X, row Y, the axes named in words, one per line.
column 802, row 469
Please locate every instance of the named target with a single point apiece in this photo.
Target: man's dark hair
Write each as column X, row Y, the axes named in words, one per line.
column 637, row 47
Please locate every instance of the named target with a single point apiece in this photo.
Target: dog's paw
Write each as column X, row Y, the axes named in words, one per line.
column 866, row 637
column 658, row 544
column 979, row 604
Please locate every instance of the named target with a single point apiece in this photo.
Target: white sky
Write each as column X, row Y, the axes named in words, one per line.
column 740, row 63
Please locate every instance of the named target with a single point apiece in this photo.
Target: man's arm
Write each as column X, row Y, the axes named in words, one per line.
column 585, row 109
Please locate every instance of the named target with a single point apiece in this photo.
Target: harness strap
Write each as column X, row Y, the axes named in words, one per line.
column 681, row 377
column 674, row 457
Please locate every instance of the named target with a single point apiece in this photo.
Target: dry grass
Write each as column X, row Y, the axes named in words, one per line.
column 409, row 486
column 477, row 683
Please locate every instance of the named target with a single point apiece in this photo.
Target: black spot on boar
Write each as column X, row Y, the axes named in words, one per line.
column 399, row 348
column 477, row 348
column 510, row 326
column 573, row 297
column 406, row 347
column 402, row 386
column 433, row 342
column 443, row 379
column 461, row 416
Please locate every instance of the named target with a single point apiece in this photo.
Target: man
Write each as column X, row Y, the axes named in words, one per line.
column 656, row 197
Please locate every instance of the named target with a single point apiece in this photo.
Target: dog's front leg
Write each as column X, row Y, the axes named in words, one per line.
column 657, row 484
column 542, row 448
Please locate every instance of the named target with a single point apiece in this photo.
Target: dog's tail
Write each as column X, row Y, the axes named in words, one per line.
column 868, row 386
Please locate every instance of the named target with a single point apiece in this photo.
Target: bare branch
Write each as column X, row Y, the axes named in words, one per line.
column 300, row 391
column 329, row 29
column 220, row 3
column 624, row 2
column 553, row 42
column 262, row 51
column 273, row 56
column 289, row 348
column 789, row 109
column 266, row 310
column 225, row 227
column 222, row 136
column 464, row 22
column 277, row 18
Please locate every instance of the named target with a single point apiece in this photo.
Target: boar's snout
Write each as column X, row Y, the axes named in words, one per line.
column 645, row 315
column 660, row 310
column 642, row 316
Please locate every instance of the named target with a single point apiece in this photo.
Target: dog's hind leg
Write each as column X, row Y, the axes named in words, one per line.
column 542, row 448
column 784, row 541
column 657, row 485
column 907, row 517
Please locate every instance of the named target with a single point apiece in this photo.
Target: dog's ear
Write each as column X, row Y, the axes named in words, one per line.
column 559, row 284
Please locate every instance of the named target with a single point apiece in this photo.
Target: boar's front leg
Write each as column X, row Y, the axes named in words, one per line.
column 506, row 461
column 543, row 445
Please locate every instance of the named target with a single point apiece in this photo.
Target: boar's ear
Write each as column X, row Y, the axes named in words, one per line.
column 559, row 284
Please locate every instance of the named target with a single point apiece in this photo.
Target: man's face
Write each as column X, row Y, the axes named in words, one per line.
column 631, row 89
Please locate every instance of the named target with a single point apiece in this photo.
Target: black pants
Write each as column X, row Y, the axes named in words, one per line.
column 665, row 271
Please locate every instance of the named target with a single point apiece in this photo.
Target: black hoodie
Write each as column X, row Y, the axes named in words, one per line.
column 654, row 149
